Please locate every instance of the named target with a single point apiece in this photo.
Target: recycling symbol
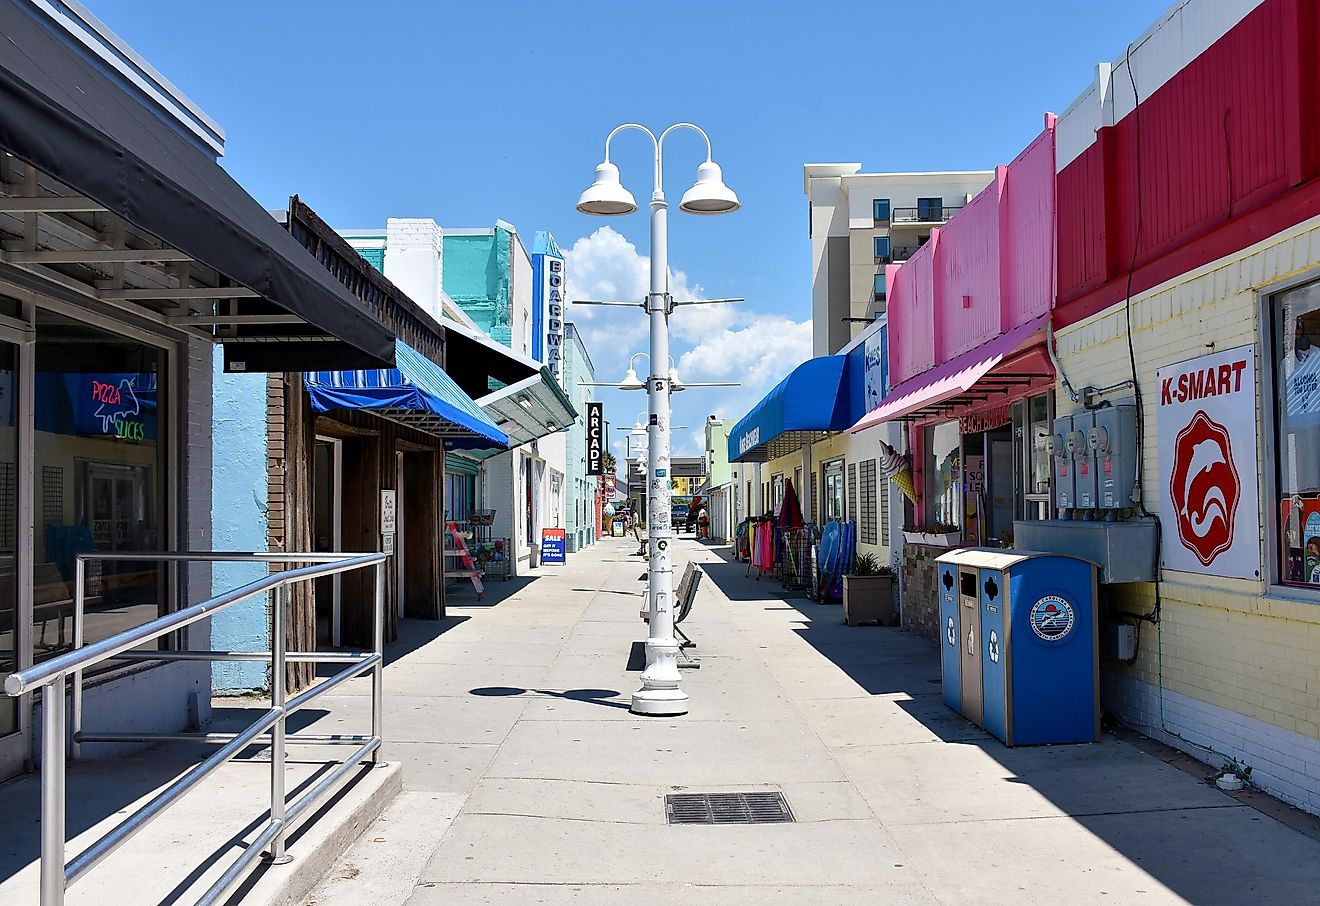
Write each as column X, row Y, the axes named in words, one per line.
column 994, row 647
column 953, row 638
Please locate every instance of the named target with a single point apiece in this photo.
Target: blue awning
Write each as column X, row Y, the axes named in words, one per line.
column 808, row 405
column 416, row 393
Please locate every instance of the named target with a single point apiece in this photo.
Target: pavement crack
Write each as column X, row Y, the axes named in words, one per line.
column 999, row 819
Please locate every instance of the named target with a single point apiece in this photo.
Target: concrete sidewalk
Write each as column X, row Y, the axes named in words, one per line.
column 527, row 780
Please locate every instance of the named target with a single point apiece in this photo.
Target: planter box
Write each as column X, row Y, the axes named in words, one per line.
column 869, row 599
column 932, row 539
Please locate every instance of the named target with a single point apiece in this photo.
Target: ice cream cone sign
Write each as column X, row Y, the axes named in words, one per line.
column 895, row 467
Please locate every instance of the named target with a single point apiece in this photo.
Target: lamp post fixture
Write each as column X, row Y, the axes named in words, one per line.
column 660, row 693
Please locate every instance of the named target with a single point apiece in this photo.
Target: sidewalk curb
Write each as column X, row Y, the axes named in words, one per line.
column 322, row 838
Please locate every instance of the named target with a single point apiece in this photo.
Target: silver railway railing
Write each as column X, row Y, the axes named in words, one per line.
column 53, row 677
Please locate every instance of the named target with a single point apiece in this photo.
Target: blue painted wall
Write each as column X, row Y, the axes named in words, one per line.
column 238, row 519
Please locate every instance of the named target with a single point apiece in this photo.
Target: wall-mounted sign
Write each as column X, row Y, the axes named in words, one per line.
column 749, row 440
column 595, row 438
column 1210, row 511
column 875, row 368
column 388, row 511
column 552, row 545
column 548, row 304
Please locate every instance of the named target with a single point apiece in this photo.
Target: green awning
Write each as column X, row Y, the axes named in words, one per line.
column 526, row 411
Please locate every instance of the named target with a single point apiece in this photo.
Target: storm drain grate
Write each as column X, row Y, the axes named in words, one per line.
column 727, row 808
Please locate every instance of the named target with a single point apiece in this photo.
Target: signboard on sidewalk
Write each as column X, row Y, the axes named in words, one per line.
column 1210, row 508
column 552, row 545
column 595, row 438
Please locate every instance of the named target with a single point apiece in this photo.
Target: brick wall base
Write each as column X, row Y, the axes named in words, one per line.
column 920, row 590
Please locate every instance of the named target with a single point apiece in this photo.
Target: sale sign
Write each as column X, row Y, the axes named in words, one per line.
column 1210, row 511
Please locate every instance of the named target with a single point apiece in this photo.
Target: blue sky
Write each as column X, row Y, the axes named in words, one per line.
column 470, row 112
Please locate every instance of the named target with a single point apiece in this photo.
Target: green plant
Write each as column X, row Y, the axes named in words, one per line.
column 869, row 565
column 935, row 528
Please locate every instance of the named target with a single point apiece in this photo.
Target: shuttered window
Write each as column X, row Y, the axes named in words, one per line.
column 852, row 492
column 867, row 529
column 883, row 492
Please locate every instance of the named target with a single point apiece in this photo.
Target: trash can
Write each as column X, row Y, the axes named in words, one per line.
column 1019, row 652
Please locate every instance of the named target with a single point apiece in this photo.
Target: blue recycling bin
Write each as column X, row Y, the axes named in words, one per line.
column 1019, row 650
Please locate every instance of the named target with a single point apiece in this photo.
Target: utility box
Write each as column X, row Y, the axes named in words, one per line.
column 1088, row 487
column 1062, row 456
column 1033, row 678
column 1113, row 442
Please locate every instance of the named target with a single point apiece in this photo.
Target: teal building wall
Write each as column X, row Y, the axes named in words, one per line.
column 477, row 277
column 581, row 499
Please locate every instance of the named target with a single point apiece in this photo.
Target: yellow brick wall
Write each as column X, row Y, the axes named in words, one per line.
column 1245, row 646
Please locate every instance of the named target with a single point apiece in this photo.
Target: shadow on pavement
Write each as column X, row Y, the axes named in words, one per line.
column 595, row 696
column 1162, row 821
column 460, row 593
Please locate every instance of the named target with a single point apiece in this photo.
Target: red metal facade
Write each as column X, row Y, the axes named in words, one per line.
column 1226, row 145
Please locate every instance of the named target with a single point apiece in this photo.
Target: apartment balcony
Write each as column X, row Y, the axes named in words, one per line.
column 924, row 215
column 897, row 254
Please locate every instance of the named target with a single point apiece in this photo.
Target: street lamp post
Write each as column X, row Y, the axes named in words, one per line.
column 660, row 693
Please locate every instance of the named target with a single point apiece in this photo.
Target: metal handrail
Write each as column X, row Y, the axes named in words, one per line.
column 922, row 214
column 51, row 676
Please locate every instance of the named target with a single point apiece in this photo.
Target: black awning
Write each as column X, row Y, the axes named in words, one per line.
column 480, row 364
column 62, row 116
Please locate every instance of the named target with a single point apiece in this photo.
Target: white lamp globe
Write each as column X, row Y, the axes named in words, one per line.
column 709, row 195
column 606, row 196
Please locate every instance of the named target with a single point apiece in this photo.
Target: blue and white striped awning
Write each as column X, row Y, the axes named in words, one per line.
column 416, row 393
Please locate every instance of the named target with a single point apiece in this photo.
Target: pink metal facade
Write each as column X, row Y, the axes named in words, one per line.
column 989, row 270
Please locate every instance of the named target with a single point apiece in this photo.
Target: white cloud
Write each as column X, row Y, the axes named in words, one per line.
column 708, row 342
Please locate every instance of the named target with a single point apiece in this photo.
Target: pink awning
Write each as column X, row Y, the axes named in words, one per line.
column 973, row 378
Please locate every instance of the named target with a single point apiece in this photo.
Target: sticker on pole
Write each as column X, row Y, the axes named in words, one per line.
column 1051, row 618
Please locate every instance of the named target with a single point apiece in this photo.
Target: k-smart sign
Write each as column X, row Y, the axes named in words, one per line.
column 595, row 438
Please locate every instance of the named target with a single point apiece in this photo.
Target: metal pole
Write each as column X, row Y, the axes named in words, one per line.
column 52, row 793
column 278, row 693
column 660, row 693
column 79, row 620
column 378, row 672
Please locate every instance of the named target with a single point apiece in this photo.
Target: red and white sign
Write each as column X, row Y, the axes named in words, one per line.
column 1210, row 512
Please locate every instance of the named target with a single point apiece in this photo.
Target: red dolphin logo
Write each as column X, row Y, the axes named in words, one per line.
column 1204, row 488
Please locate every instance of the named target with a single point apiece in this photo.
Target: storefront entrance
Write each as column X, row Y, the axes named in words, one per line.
column 327, row 535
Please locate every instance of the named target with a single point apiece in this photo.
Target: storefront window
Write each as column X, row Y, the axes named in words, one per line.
column 1297, row 431
column 944, row 475
column 776, row 491
column 100, row 480
column 458, row 497
column 1033, row 420
column 834, row 496
column 8, row 528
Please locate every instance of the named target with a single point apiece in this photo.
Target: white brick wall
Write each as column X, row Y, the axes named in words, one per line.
column 1241, row 658
column 1284, row 764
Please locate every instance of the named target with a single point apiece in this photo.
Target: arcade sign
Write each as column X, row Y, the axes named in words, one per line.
column 595, row 438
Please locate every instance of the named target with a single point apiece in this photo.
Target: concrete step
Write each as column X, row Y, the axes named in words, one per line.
column 177, row 857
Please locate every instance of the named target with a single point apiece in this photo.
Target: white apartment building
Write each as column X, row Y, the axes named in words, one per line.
column 859, row 223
